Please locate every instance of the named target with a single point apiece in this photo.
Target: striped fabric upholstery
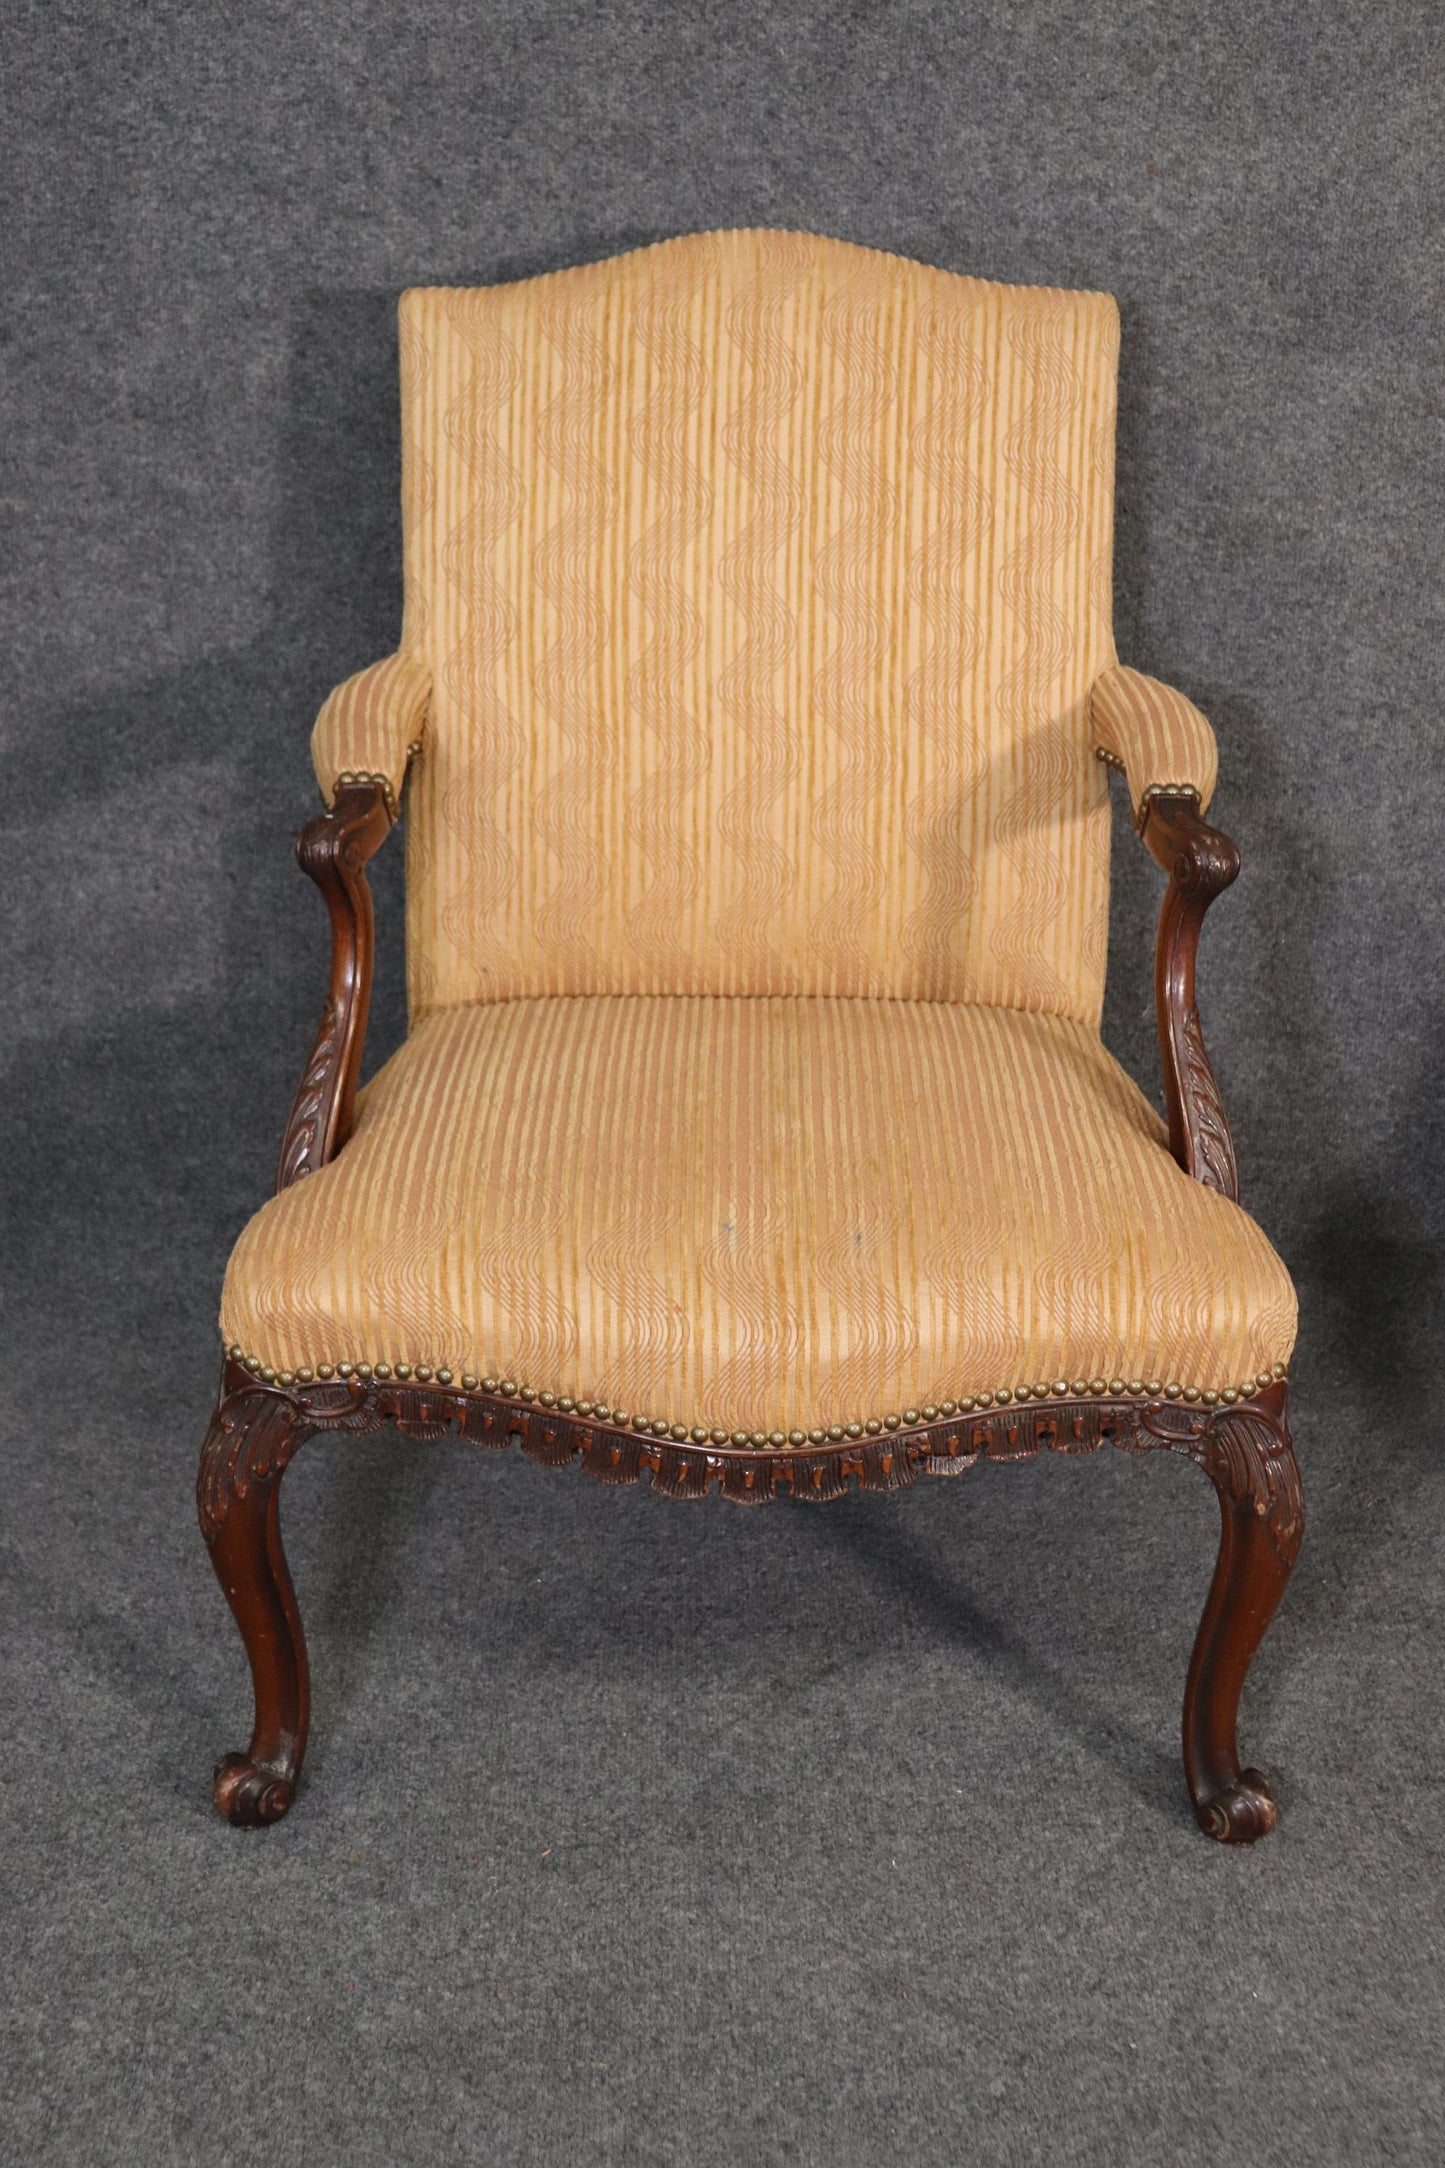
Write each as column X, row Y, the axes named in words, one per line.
column 755, row 589
column 370, row 724
column 1154, row 734
column 761, row 580
column 760, row 1214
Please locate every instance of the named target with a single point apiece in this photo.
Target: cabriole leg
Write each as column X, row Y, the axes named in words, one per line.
column 1248, row 1455
column 253, row 1435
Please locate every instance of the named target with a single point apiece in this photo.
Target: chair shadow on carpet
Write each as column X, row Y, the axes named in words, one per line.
column 1144, row 1759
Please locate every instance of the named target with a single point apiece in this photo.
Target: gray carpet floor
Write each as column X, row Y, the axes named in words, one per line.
column 640, row 1832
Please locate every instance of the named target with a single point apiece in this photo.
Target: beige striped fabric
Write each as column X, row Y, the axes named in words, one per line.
column 370, row 724
column 761, row 580
column 764, row 1214
column 1154, row 734
column 755, row 589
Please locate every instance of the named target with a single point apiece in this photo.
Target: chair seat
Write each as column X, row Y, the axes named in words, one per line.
column 759, row 1215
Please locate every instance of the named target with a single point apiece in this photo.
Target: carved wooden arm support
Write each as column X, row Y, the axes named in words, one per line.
column 334, row 849
column 1201, row 863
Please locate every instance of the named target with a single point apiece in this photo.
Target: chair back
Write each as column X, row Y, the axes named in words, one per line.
column 762, row 579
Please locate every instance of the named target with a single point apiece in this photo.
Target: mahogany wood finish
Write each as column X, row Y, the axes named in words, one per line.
column 1244, row 1448
column 248, row 1446
column 1241, row 1443
column 334, row 849
column 1201, row 863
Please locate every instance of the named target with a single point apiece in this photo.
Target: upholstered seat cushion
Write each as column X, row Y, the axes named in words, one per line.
column 759, row 1215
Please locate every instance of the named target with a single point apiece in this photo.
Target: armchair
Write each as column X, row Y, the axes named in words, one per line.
column 754, row 1133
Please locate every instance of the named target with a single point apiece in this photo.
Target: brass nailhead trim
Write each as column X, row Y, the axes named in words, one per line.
column 362, row 775
column 773, row 1441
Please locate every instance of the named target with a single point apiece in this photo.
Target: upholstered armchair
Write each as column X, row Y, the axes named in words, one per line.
column 754, row 1133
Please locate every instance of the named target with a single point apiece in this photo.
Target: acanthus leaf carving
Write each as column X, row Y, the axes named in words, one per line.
column 1208, row 1127
column 1240, row 1446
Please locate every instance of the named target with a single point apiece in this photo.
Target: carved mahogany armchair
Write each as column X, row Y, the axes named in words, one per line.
column 754, row 1131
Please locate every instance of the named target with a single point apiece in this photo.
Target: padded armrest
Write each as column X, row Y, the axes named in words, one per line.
column 370, row 726
column 1159, row 739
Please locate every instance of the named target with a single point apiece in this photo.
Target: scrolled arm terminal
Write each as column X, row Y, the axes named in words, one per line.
column 334, row 849
column 1166, row 749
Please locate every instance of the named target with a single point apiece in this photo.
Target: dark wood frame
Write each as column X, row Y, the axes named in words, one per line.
column 1240, row 1438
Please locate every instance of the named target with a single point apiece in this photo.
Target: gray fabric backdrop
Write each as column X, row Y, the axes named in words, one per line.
column 208, row 214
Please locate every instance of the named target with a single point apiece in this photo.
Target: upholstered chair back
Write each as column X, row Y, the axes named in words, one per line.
column 761, row 580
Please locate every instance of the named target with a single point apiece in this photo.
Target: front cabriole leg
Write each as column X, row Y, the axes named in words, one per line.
column 1247, row 1454
column 253, row 1436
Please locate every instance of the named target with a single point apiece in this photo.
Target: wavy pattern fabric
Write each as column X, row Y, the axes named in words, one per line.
column 756, row 863
column 759, row 1214
column 761, row 580
column 1157, row 736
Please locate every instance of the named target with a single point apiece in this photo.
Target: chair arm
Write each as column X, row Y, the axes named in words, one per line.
column 334, row 849
column 1201, row 863
column 1157, row 737
column 370, row 727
